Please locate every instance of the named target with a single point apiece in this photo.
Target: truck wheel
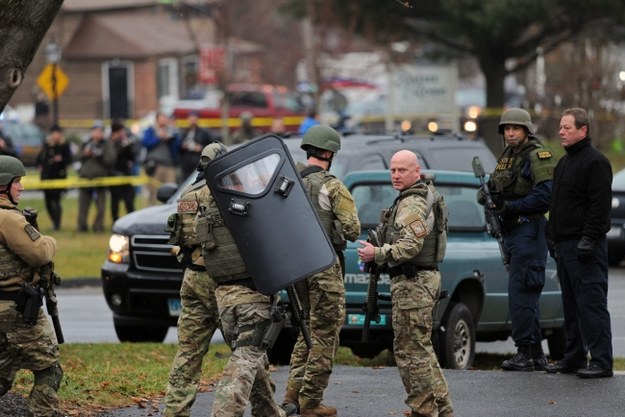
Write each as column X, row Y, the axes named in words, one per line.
column 556, row 342
column 456, row 338
column 126, row 333
column 280, row 353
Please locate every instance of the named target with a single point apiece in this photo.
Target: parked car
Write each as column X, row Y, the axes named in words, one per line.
column 141, row 277
column 27, row 139
column 616, row 235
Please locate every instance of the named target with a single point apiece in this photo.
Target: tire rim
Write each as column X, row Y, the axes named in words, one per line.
column 462, row 345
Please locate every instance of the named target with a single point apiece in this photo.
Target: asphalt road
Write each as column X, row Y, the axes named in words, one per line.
column 86, row 318
column 368, row 392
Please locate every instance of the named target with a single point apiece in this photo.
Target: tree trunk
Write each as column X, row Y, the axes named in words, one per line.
column 23, row 24
column 494, row 71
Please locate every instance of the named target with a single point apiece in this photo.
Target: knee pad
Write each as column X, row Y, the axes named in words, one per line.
column 51, row 376
column 5, row 386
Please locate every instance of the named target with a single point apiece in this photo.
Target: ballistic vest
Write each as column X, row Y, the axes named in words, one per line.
column 314, row 177
column 435, row 242
column 221, row 256
column 13, row 269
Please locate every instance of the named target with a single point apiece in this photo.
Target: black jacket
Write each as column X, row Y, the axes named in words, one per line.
column 53, row 161
column 581, row 200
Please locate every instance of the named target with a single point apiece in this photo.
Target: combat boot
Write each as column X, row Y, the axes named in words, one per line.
column 521, row 361
column 290, row 401
column 538, row 357
column 319, row 410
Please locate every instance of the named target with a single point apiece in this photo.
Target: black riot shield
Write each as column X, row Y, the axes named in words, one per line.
column 274, row 225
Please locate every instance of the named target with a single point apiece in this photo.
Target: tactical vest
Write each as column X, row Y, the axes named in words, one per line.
column 314, row 178
column 11, row 265
column 221, row 256
column 180, row 224
column 507, row 178
column 435, row 242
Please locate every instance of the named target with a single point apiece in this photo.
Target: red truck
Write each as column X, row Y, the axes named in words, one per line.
column 265, row 102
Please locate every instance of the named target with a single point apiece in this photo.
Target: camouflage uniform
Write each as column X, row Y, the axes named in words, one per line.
column 23, row 346
column 413, row 298
column 199, row 316
column 310, row 369
column 246, row 376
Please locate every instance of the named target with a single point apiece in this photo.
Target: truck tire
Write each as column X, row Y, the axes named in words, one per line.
column 137, row 334
column 456, row 338
column 556, row 342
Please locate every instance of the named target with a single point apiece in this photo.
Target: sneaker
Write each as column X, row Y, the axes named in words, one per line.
column 319, row 411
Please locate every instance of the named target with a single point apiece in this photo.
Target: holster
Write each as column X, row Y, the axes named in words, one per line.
column 29, row 301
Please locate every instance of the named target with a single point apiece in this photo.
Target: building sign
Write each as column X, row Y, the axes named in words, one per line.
column 212, row 62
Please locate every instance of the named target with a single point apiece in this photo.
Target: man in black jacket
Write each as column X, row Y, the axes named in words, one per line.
column 578, row 222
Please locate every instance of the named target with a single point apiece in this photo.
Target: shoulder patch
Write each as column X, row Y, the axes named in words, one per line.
column 187, row 206
column 544, row 154
column 32, row 232
column 419, row 229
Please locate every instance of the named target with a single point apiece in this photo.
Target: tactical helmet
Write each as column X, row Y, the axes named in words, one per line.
column 10, row 167
column 322, row 137
column 517, row 117
column 214, row 150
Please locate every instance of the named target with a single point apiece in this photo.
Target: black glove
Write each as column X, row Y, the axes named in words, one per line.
column 498, row 201
column 551, row 246
column 584, row 249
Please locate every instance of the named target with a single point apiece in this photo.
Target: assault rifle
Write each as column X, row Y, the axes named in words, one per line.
column 298, row 315
column 493, row 225
column 371, row 309
column 47, row 281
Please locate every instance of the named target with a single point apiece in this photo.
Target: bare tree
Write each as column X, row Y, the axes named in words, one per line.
column 23, row 24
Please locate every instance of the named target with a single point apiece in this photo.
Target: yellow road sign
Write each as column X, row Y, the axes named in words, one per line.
column 46, row 81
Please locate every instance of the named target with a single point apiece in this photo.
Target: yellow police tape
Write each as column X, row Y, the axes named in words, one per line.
column 33, row 183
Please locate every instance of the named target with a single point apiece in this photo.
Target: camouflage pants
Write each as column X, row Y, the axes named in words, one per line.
column 197, row 322
column 23, row 346
column 246, row 375
column 412, row 302
column 310, row 369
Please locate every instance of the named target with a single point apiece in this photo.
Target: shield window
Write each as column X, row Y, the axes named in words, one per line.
column 253, row 178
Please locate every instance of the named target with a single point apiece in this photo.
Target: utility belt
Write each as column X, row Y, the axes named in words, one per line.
column 28, row 300
column 246, row 282
column 509, row 223
column 409, row 270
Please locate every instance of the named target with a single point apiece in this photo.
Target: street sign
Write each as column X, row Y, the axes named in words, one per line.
column 45, row 81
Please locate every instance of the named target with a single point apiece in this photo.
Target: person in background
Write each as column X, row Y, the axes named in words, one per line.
column 6, row 144
column 310, row 121
column 162, row 143
column 97, row 157
column 194, row 139
column 579, row 218
column 279, row 128
column 126, row 150
column 521, row 189
column 247, row 130
column 52, row 162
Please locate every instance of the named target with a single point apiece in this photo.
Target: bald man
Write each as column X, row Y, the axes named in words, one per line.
column 409, row 249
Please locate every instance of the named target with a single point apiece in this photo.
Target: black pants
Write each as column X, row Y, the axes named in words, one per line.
column 125, row 193
column 585, row 301
column 53, row 206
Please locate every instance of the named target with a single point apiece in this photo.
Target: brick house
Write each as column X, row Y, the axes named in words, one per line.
column 127, row 58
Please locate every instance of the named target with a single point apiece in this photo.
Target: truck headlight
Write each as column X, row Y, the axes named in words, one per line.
column 118, row 249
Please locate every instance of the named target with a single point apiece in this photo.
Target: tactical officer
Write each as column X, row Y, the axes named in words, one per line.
column 414, row 235
column 244, row 314
column 324, row 293
column 199, row 317
column 521, row 189
column 27, row 340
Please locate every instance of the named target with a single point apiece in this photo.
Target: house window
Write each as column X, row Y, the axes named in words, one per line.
column 191, row 88
column 167, row 79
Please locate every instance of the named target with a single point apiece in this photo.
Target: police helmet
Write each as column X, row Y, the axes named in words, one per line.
column 322, row 137
column 10, row 167
column 517, row 117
